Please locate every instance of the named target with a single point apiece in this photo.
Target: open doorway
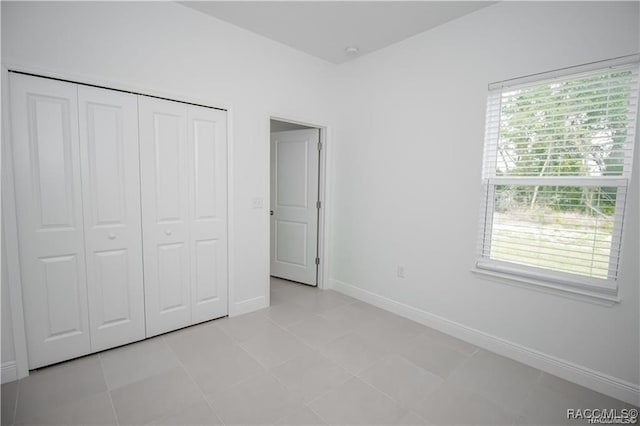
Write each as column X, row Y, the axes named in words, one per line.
column 295, row 201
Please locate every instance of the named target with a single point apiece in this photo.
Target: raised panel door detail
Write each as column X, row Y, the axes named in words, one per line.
column 205, row 169
column 53, row 175
column 112, row 281
column 64, row 313
column 207, row 280
column 105, row 149
column 47, row 174
column 111, row 198
column 291, row 243
column 292, row 177
column 168, row 175
column 171, row 277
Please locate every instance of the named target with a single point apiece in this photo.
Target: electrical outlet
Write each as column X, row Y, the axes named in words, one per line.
column 400, row 271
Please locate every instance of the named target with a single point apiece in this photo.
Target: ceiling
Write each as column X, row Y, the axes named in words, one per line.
column 325, row 28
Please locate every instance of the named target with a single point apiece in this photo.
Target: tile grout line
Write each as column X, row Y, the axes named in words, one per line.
column 262, row 364
column 448, row 381
column 311, row 401
column 239, row 344
column 15, row 404
column 308, row 403
column 401, row 405
column 451, row 346
column 318, row 414
column 352, row 375
column 184, row 368
column 277, row 379
column 468, row 357
column 398, row 402
column 534, row 385
column 318, row 351
column 388, row 356
column 269, row 370
column 287, row 331
column 298, row 321
column 113, row 407
column 290, row 333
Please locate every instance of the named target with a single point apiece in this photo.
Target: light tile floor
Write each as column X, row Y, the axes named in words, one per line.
column 313, row 357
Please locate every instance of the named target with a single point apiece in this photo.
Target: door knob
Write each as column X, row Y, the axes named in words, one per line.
column 112, row 236
column 167, row 232
column 271, row 213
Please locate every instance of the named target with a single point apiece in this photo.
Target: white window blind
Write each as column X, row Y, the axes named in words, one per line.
column 557, row 163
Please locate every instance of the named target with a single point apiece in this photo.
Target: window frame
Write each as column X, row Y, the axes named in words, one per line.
column 565, row 282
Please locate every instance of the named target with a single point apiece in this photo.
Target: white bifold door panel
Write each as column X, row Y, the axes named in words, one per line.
column 165, row 209
column 207, row 141
column 111, row 199
column 183, row 173
column 294, row 193
column 46, row 154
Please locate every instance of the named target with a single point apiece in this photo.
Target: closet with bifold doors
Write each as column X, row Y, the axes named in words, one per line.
column 121, row 204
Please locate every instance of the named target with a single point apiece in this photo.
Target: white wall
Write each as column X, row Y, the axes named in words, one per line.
column 166, row 47
column 408, row 166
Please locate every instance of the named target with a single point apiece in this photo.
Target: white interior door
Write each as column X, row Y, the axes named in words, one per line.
column 164, row 164
column 207, row 138
column 111, row 199
column 44, row 128
column 294, row 193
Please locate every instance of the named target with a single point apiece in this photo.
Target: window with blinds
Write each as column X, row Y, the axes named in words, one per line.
column 557, row 163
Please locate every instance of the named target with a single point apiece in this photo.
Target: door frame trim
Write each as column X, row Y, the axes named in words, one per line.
column 9, row 233
column 324, row 194
column 10, row 238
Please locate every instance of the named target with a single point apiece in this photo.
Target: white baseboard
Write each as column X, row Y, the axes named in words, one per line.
column 249, row 305
column 584, row 376
column 9, row 372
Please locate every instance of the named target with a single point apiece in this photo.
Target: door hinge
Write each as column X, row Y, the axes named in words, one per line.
column 317, row 260
column 318, row 204
column 319, row 146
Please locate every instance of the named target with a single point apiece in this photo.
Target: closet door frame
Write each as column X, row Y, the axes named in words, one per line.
column 20, row 369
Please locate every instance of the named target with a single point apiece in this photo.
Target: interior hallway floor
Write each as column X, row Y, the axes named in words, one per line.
column 313, row 357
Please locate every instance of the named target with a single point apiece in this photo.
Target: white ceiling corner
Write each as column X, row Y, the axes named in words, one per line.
column 325, row 28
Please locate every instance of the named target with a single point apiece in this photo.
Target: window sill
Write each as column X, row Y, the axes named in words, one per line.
column 547, row 287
